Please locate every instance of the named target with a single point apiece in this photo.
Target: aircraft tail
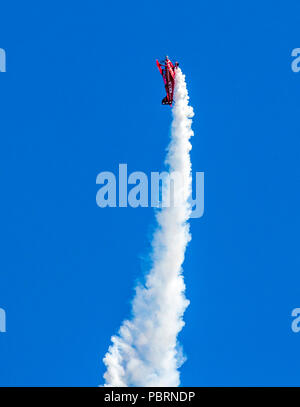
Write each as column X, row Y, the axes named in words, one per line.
column 165, row 101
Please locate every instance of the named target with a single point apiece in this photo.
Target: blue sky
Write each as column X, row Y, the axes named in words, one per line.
column 82, row 94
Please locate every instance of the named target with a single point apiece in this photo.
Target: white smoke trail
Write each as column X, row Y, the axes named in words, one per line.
column 146, row 352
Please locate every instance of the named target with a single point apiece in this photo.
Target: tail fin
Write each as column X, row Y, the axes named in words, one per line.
column 159, row 67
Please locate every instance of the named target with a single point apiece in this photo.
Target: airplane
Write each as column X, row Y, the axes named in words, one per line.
column 168, row 72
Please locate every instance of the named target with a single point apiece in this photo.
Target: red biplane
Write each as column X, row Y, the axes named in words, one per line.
column 168, row 72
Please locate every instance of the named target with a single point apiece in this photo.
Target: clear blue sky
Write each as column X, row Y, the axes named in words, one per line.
column 82, row 94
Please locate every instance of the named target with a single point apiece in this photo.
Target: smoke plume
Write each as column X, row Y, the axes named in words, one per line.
column 145, row 352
